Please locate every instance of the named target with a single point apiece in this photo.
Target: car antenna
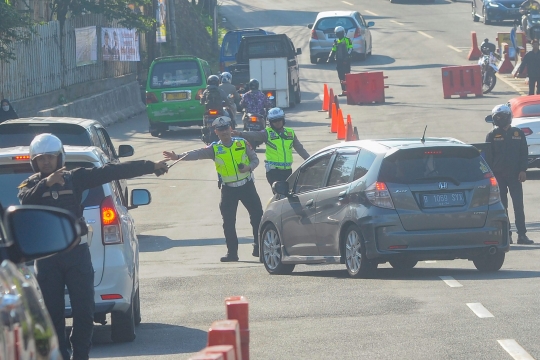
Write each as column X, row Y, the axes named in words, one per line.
column 423, row 139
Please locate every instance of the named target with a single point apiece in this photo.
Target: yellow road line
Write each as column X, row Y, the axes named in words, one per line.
column 396, row 22
column 426, row 35
column 371, row 13
column 515, row 87
column 455, row 49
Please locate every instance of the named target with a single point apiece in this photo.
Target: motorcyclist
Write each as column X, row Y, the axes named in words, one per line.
column 230, row 91
column 213, row 96
column 524, row 9
column 487, row 48
column 341, row 52
column 254, row 101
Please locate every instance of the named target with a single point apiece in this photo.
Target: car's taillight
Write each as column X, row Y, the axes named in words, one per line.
column 314, row 34
column 199, row 94
column 21, row 157
column 358, row 32
column 527, row 131
column 111, row 232
column 378, row 194
column 254, row 119
column 494, row 193
column 151, row 98
column 212, row 112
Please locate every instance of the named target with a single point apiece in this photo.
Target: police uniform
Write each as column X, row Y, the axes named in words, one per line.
column 342, row 49
column 509, row 158
column 278, row 152
column 235, row 186
column 73, row 268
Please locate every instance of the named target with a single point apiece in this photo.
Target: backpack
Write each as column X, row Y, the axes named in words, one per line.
column 213, row 98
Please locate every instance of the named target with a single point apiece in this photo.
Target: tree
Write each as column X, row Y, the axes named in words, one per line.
column 14, row 26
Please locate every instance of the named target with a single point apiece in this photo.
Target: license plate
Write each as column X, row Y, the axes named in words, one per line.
column 176, row 96
column 443, row 200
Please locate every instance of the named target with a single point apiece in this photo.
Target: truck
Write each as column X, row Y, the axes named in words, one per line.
column 271, row 59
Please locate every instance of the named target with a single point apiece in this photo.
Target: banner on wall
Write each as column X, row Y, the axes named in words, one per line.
column 119, row 44
column 161, row 17
column 85, row 46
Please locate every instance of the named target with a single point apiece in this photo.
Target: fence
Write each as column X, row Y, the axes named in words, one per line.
column 38, row 68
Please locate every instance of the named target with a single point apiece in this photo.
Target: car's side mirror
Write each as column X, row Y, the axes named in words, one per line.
column 298, row 51
column 281, row 188
column 310, row 26
column 371, row 23
column 140, row 197
column 40, row 231
column 125, row 151
column 489, row 119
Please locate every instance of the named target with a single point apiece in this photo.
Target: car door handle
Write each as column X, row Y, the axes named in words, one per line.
column 309, row 203
column 342, row 195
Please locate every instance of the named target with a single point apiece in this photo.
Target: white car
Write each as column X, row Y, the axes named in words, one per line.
column 114, row 246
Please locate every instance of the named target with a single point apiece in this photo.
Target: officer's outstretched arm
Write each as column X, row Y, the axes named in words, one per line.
column 299, row 148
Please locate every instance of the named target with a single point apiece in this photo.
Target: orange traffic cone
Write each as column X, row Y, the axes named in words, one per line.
column 349, row 132
column 325, row 99
column 341, row 126
column 474, row 53
column 330, row 102
column 334, row 124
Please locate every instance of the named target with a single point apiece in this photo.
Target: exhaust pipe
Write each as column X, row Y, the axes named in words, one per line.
column 492, row 250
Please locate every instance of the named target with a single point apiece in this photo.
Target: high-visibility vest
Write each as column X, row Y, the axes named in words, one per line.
column 227, row 160
column 279, row 148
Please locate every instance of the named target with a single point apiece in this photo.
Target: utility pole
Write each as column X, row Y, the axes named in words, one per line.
column 215, row 27
column 172, row 25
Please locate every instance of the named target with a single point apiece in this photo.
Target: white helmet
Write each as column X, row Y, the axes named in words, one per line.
column 226, row 78
column 501, row 115
column 276, row 114
column 47, row 144
column 338, row 30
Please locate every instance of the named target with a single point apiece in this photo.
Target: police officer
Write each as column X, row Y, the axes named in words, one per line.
column 235, row 160
column 509, row 153
column 280, row 141
column 53, row 185
column 341, row 52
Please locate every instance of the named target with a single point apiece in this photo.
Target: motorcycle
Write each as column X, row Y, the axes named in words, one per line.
column 208, row 134
column 489, row 69
column 533, row 25
column 254, row 122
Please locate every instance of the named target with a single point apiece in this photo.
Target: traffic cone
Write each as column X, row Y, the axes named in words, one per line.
column 505, row 66
column 474, row 53
column 325, row 99
column 349, row 132
column 330, row 102
column 341, row 126
column 334, row 124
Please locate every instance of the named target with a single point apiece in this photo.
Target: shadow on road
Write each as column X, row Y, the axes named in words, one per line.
column 151, row 243
column 152, row 339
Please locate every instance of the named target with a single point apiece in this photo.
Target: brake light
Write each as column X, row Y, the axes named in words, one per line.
column 433, row 152
column 527, row 131
column 268, row 94
column 254, row 119
column 314, row 34
column 494, row 193
column 199, row 94
column 111, row 232
column 21, row 157
column 151, row 98
column 378, row 194
column 358, row 32
column 212, row 112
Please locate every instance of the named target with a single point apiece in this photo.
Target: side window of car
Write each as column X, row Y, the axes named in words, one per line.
column 94, row 136
column 342, row 169
column 313, row 174
column 103, row 143
column 360, row 19
column 207, row 70
column 363, row 163
column 108, row 141
column 118, row 197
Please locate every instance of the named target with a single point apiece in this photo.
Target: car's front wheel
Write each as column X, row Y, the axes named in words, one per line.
column 123, row 325
column 358, row 265
column 137, row 308
column 475, row 17
column 403, row 264
column 271, row 252
column 489, row 263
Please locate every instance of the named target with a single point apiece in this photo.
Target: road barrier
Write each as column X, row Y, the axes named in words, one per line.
column 365, row 88
column 204, row 356
column 226, row 351
column 238, row 309
column 474, row 53
column 326, row 99
column 506, row 67
column 340, row 126
column 461, row 81
column 226, row 332
column 330, row 102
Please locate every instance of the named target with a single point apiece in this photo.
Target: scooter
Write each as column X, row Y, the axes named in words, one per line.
column 533, row 25
column 208, row 135
column 489, row 69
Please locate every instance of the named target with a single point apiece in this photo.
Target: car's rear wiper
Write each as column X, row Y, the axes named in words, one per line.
column 454, row 181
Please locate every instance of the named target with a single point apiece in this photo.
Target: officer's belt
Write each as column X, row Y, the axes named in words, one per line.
column 239, row 183
column 279, row 165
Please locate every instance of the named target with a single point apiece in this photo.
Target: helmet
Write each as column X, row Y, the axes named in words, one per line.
column 213, row 80
column 226, row 77
column 340, row 32
column 46, row 144
column 253, row 84
column 276, row 114
column 501, row 115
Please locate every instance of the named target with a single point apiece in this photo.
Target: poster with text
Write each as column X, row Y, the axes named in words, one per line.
column 85, row 46
column 119, row 44
column 161, row 18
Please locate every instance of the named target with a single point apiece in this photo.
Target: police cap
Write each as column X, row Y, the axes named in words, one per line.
column 221, row 122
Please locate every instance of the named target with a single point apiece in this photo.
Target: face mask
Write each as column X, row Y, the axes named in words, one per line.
column 5, row 107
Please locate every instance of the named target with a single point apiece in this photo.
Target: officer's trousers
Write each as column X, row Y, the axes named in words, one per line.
column 228, row 206
column 532, row 81
column 74, row 270
column 512, row 184
column 274, row 175
column 343, row 67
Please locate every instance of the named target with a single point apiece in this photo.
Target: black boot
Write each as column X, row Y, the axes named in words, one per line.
column 229, row 258
column 255, row 250
column 524, row 240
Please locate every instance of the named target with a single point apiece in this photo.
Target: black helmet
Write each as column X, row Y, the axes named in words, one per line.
column 213, row 80
column 253, row 84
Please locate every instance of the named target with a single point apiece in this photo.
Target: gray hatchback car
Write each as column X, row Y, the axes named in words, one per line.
column 401, row 201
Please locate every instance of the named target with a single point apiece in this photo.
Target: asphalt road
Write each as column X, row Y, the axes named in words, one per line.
column 318, row 312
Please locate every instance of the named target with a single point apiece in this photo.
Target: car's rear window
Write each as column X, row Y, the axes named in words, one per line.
column 531, row 110
column 23, row 134
column 267, row 48
column 168, row 74
column 330, row 23
column 231, row 41
column 434, row 164
column 11, row 176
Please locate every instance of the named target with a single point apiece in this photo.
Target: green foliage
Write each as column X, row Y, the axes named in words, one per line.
column 14, row 26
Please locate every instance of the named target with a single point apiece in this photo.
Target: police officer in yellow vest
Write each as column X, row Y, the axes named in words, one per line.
column 342, row 52
column 235, row 160
column 280, row 141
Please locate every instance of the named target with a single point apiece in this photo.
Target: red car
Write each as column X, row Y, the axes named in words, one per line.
column 525, row 106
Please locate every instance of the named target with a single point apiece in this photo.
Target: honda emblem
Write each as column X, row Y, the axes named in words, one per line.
column 443, row 185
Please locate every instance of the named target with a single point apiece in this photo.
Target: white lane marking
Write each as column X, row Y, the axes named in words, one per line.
column 426, row 35
column 431, row 262
column 396, row 22
column 450, row 281
column 454, row 48
column 515, row 350
column 480, row 310
column 348, row 3
column 371, row 13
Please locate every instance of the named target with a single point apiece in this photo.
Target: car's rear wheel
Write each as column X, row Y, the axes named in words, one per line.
column 403, row 264
column 298, row 95
column 358, row 265
column 271, row 252
column 362, row 57
column 489, row 263
column 137, row 308
column 123, row 325
column 154, row 133
column 292, row 96
column 313, row 59
column 475, row 17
